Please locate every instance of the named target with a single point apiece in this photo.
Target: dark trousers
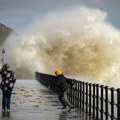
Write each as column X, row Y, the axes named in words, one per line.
column 63, row 99
column 6, row 99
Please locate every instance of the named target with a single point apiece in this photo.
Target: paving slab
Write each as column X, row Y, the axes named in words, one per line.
column 33, row 101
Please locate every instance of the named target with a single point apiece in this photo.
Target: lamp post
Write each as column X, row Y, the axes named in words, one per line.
column 3, row 52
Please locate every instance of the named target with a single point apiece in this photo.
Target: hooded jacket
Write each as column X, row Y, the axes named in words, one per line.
column 63, row 83
column 8, row 79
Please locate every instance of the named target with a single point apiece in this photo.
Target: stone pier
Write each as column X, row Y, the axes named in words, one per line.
column 33, row 101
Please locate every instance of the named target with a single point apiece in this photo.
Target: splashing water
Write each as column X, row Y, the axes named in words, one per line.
column 79, row 41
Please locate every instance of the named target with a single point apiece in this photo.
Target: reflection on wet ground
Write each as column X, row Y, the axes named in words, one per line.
column 33, row 101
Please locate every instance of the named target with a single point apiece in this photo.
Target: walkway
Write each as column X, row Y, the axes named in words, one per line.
column 33, row 101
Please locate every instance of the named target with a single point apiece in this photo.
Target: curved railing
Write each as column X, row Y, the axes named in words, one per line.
column 99, row 101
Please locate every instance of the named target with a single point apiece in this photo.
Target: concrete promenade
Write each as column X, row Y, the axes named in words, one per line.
column 32, row 101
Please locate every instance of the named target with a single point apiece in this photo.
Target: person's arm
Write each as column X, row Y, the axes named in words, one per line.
column 55, row 84
column 13, row 77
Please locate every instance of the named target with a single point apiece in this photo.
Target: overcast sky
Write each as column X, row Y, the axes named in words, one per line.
column 18, row 14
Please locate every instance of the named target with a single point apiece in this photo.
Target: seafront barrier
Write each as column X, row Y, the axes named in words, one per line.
column 99, row 101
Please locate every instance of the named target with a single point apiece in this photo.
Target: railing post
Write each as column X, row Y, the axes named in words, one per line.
column 78, row 92
column 75, row 94
column 70, row 93
column 106, row 102
column 118, row 104
column 73, row 90
column 94, row 101
column 71, row 99
column 112, row 103
column 83, row 94
column 80, row 95
column 97, row 101
column 102, row 101
column 90, row 98
column 86, row 97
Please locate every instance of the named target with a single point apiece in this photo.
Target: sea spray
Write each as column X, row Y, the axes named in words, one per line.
column 79, row 40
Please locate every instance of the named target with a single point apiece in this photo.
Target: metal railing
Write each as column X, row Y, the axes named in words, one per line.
column 99, row 101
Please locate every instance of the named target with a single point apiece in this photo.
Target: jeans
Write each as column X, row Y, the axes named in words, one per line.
column 6, row 99
column 63, row 99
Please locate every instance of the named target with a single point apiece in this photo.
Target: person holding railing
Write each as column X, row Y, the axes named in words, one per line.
column 62, row 83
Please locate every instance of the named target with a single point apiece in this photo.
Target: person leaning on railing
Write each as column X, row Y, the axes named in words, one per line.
column 6, row 85
column 62, row 83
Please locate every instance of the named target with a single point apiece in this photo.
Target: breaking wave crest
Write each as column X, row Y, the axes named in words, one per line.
column 79, row 41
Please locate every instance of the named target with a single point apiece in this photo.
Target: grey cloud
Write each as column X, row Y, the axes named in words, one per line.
column 28, row 10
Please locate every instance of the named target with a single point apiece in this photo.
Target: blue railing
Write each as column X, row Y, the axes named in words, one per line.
column 99, row 101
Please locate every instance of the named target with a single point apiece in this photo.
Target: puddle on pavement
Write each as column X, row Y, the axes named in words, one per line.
column 31, row 95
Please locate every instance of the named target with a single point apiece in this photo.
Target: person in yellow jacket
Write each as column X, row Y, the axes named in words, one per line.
column 62, row 83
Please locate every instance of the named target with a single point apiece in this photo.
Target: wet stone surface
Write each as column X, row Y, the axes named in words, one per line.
column 32, row 101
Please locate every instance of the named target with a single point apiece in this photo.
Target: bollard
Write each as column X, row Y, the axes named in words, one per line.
column 112, row 103
column 102, row 101
column 118, row 103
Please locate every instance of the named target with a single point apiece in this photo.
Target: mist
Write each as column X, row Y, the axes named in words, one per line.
column 80, row 41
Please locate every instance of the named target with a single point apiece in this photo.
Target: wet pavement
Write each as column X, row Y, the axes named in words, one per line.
column 33, row 101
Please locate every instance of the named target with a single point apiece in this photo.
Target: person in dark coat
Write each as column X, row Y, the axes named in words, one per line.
column 6, row 85
column 62, row 83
